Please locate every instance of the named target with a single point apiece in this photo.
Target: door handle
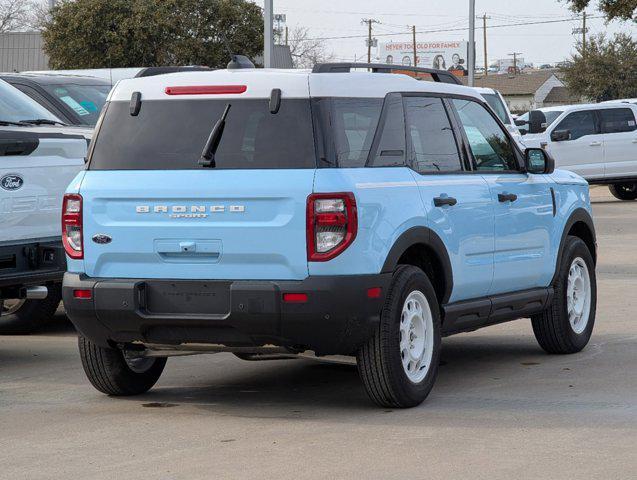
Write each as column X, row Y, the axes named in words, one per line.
column 635, row 140
column 441, row 201
column 507, row 197
column 595, row 144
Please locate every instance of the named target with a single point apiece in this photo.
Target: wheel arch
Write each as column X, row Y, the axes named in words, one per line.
column 423, row 248
column 579, row 224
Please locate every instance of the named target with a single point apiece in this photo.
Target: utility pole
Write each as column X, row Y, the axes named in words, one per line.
column 584, row 33
column 51, row 4
column 484, row 34
column 268, row 34
column 515, row 61
column 472, row 42
column 286, row 35
column 413, row 31
column 369, row 22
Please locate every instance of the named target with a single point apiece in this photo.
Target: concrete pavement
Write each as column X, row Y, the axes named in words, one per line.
column 502, row 408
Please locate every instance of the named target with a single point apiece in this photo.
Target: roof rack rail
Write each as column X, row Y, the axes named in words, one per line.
column 441, row 76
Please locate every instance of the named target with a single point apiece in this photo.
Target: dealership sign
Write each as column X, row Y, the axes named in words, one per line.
column 450, row 56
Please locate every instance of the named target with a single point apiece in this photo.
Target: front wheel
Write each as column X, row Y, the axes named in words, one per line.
column 116, row 372
column 624, row 191
column 567, row 325
column 399, row 364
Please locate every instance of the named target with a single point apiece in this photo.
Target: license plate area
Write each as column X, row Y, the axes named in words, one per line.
column 185, row 298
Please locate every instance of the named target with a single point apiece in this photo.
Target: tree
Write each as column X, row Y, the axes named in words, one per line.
column 306, row 51
column 607, row 70
column 613, row 9
column 135, row 33
column 15, row 15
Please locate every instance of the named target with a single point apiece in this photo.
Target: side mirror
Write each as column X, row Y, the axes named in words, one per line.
column 538, row 161
column 521, row 123
column 560, row 135
column 537, row 121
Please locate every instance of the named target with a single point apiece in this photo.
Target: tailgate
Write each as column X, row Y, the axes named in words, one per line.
column 196, row 224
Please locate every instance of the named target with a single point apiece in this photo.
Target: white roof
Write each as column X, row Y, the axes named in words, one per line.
column 293, row 84
column 585, row 106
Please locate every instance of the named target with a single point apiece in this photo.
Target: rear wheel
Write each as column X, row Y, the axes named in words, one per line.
column 20, row 317
column 567, row 325
column 624, row 191
column 116, row 372
column 399, row 364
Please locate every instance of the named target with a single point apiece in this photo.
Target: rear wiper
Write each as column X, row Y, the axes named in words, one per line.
column 6, row 123
column 43, row 121
column 208, row 154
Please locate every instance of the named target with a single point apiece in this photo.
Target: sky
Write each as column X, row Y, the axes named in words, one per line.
column 540, row 43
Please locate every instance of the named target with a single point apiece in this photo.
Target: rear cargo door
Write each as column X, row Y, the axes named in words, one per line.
column 196, row 224
column 152, row 211
column 35, row 169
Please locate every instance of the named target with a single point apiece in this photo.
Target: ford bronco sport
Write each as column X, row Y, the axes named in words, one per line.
column 333, row 211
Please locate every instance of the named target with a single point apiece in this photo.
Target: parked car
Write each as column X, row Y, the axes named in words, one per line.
column 497, row 103
column 597, row 141
column 333, row 212
column 114, row 75
column 75, row 100
column 38, row 159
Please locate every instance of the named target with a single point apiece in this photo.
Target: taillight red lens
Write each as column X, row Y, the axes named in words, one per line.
column 332, row 224
column 83, row 294
column 72, row 225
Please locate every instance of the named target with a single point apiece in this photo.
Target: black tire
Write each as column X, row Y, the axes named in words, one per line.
column 109, row 373
column 552, row 329
column 624, row 191
column 32, row 315
column 379, row 360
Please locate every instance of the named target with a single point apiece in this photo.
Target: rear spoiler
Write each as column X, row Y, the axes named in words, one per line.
column 417, row 72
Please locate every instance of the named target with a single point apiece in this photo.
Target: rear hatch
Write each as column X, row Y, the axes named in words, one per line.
column 36, row 165
column 151, row 211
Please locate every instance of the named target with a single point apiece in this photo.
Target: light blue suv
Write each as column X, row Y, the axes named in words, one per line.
column 333, row 211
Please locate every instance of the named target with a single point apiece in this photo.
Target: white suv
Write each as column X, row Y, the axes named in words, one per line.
column 495, row 100
column 596, row 141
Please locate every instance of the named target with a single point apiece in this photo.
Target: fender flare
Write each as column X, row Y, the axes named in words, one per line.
column 578, row 215
column 429, row 238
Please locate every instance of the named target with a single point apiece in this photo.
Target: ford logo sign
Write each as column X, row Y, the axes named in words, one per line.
column 11, row 181
column 102, row 239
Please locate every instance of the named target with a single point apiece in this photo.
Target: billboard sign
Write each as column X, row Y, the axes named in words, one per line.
column 441, row 55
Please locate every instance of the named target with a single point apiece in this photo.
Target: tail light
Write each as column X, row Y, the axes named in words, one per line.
column 72, row 226
column 331, row 224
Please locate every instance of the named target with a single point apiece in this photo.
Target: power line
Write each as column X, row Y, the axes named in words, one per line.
column 520, row 24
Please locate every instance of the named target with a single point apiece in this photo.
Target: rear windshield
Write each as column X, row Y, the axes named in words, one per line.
column 171, row 134
column 86, row 101
column 495, row 102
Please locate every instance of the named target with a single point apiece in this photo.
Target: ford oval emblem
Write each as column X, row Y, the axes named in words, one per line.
column 12, row 181
column 102, row 239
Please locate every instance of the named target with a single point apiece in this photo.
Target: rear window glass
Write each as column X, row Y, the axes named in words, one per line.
column 171, row 135
column 618, row 120
column 86, row 101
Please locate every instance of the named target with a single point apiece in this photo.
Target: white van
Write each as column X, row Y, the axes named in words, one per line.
column 499, row 106
column 597, row 141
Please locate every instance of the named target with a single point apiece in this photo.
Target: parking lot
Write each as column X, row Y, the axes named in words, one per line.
column 502, row 408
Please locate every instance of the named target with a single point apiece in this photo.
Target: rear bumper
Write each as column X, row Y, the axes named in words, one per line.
column 30, row 263
column 337, row 318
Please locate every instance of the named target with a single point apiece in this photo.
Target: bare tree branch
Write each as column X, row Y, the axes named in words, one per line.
column 307, row 52
column 16, row 15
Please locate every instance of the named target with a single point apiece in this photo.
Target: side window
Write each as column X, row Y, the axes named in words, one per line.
column 579, row 124
column 434, row 147
column 354, row 122
column 489, row 144
column 390, row 146
column 618, row 120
